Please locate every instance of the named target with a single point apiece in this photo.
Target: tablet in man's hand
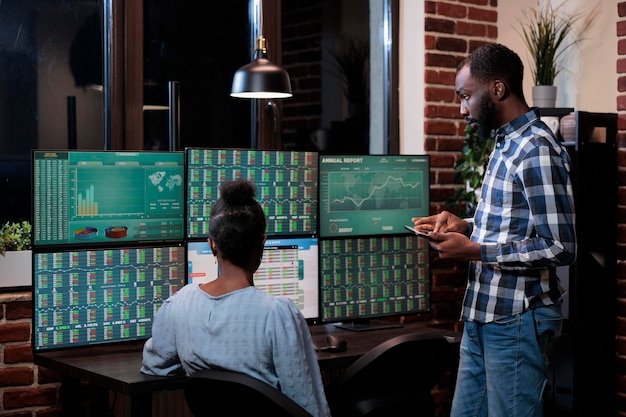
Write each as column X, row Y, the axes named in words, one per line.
column 421, row 233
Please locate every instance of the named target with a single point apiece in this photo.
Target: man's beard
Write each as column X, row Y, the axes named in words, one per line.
column 487, row 117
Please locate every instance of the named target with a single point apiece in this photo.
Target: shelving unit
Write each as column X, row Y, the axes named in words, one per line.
column 582, row 361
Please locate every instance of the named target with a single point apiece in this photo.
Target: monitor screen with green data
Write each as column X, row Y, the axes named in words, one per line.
column 361, row 195
column 286, row 187
column 101, row 295
column 85, row 198
column 370, row 277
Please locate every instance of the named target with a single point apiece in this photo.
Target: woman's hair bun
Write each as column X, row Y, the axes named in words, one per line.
column 237, row 192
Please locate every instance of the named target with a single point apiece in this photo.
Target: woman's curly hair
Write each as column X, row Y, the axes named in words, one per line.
column 237, row 224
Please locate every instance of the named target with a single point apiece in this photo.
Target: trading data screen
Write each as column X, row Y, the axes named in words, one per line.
column 286, row 187
column 289, row 268
column 99, row 296
column 105, row 197
column 373, row 277
column 371, row 194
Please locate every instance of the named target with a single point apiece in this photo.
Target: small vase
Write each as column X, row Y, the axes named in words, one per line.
column 568, row 127
column 544, row 96
column 16, row 269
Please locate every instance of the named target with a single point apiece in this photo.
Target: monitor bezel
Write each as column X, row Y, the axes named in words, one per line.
column 315, row 199
column 366, row 322
column 113, row 344
column 345, row 227
column 269, row 242
column 87, row 244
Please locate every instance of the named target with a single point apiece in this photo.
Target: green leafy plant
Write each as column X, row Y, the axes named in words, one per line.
column 15, row 236
column 352, row 63
column 469, row 171
column 548, row 33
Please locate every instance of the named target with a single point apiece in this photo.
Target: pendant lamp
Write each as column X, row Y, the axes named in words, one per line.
column 261, row 78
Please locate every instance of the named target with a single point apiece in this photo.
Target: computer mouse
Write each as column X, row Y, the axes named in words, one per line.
column 335, row 344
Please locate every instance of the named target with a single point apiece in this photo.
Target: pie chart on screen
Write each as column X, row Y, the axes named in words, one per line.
column 85, row 233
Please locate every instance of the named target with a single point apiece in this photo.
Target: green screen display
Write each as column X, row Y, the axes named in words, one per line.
column 371, row 194
column 93, row 197
column 375, row 276
column 286, row 187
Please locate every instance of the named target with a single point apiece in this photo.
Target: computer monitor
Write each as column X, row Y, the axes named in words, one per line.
column 286, row 183
column 365, row 278
column 104, row 295
column 289, row 268
column 91, row 198
column 362, row 195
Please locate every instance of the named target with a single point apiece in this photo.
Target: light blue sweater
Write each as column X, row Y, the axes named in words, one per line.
column 247, row 331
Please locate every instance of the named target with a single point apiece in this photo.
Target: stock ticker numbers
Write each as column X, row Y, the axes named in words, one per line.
column 286, row 183
column 102, row 295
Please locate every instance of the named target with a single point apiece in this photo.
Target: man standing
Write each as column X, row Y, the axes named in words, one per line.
column 522, row 230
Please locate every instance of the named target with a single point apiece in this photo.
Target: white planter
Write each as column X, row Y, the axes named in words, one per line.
column 16, row 269
column 544, row 96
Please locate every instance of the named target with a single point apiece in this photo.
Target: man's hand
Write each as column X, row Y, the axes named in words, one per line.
column 442, row 222
column 454, row 246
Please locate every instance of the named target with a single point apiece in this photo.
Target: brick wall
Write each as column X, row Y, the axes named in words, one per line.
column 621, row 208
column 25, row 389
column 302, row 54
column 452, row 31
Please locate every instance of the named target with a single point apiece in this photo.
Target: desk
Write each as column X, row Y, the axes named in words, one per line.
column 117, row 368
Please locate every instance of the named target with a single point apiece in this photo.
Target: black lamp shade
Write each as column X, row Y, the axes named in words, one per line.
column 261, row 78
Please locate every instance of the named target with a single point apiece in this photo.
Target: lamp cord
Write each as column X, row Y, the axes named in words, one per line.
column 261, row 17
column 271, row 107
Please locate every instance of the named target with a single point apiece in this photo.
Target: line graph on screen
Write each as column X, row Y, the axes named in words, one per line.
column 375, row 191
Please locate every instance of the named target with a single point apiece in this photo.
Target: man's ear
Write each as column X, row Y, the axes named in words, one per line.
column 498, row 90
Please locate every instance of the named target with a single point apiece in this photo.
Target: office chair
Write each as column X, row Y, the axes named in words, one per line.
column 217, row 392
column 393, row 379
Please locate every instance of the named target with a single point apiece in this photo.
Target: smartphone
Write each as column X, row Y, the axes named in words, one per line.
column 420, row 233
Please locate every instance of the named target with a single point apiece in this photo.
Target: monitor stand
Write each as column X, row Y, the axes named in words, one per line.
column 367, row 325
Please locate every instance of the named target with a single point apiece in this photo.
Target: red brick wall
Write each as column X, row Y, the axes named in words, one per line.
column 452, row 31
column 621, row 208
column 302, row 53
column 25, row 389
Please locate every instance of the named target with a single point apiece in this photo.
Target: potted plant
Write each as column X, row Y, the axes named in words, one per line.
column 469, row 171
column 15, row 254
column 548, row 32
column 352, row 63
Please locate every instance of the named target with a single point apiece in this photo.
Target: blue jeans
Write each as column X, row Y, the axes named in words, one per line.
column 503, row 365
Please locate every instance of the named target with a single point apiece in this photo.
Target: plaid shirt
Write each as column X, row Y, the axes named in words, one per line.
column 524, row 223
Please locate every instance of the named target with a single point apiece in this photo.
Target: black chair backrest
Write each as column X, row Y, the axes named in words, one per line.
column 217, row 392
column 395, row 378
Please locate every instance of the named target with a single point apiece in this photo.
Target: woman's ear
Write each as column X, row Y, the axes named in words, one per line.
column 262, row 246
column 213, row 246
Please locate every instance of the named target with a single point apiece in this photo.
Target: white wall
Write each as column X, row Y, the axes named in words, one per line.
column 588, row 84
column 589, row 80
column 411, row 83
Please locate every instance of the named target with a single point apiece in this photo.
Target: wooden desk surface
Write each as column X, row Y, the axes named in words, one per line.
column 115, row 369
column 118, row 369
column 359, row 342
